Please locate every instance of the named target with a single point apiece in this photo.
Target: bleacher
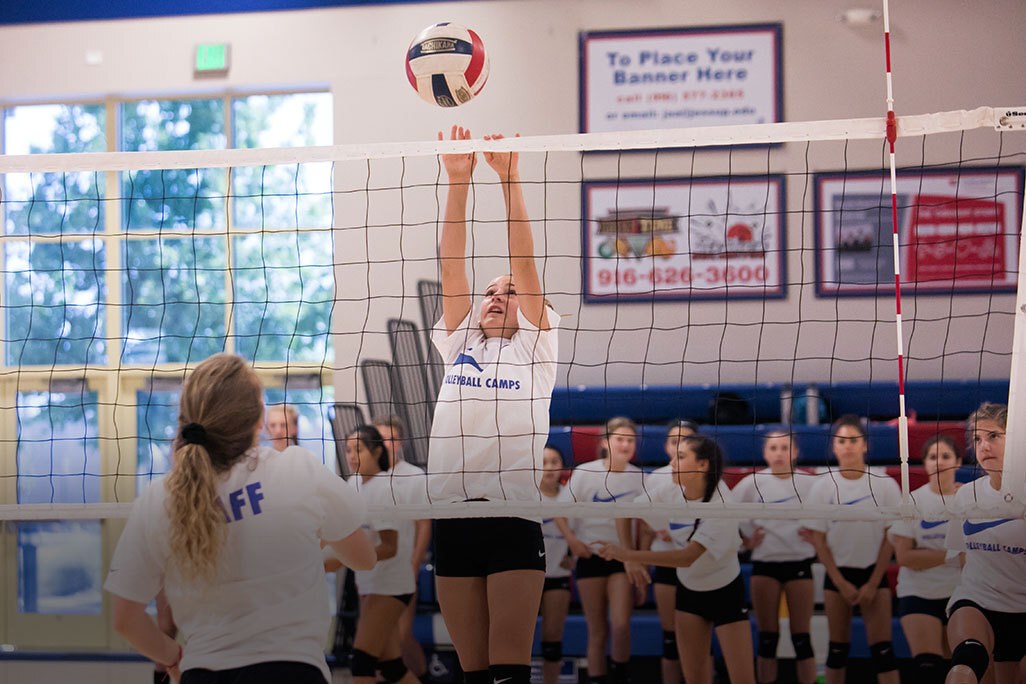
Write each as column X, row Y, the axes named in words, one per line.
column 579, row 413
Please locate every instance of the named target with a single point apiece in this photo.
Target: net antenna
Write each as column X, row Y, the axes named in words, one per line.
column 892, row 136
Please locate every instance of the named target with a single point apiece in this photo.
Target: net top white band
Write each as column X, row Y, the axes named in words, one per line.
column 711, row 136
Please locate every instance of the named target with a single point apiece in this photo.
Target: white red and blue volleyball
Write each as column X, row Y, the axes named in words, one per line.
column 447, row 64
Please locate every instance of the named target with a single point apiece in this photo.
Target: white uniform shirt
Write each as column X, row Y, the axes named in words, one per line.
column 392, row 576
column 267, row 601
column 994, row 575
column 556, row 547
column 929, row 533
column 781, row 542
column 657, row 479
column 854, row 543
column 492, row 416
column 593, row 482
column 718, row 565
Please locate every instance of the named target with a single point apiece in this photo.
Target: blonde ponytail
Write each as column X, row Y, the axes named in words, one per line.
column 221, row 409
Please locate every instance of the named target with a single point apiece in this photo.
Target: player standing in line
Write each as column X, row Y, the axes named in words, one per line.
column 283, row 426
column 781, row 558
column 664, row 579
column 412, row 482
column 489, row 430
column 605, row 586
column 233, row 535
column 386, row 589
column 855, row 553
column 555, row 601
column 710, row 591
column 927, row 577
column 988, row 609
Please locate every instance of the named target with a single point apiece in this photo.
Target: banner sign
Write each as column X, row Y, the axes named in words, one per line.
column 680, row 238
column 677, row 78
column 958, row 231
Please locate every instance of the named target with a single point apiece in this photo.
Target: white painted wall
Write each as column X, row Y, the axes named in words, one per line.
column 948, row 54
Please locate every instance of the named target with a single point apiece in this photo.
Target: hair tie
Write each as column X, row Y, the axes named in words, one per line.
column 194, row 433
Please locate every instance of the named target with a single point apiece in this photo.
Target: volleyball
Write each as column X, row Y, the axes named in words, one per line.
column 447, row 64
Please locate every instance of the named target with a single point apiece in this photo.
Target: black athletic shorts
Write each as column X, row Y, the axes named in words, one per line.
column 857, row 576
column 478, row 547
column 916, row 605
column 1009, row 628
column 783, row 571
column 597, row 567
column 554, row 583
column 721, row 606
column 664, row 575
column 272, row 672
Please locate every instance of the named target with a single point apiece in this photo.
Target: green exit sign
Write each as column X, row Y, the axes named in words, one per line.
column 212, row 58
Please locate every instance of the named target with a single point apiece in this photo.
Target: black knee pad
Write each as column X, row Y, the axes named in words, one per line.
column 552, row 651
column 883, row 656
column 931, row 668
column 477, row 677
column 513, row 674
column 363, row 664
column 973, row 655
column 768, row 644
column 670, row 645
column 392, row 670
column 837, row 656
column 618, row 672
column 802, row 646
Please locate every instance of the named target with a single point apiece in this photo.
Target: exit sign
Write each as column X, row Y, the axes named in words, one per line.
column 212, row 58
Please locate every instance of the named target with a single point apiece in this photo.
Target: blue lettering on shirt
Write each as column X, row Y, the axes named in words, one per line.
column 237, row 501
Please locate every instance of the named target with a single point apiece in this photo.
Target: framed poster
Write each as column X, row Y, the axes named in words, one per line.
column 683, row 238
column 676, row 78
column 958, row 231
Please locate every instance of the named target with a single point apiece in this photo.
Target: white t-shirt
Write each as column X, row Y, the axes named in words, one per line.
column 929, row 533
column 593, row 481
column 658, row 478
column 267, row 601
column 556, row 547
column 492, row 416
column 392, row 576
column 854, row 543
column 994, row 575
column 718, row 565
column 781, row 542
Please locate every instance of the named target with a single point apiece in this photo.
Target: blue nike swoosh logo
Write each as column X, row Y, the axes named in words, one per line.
column 680, row 526
column 790, row 498
column 546, row 520
column 595, row 497
column 468, row 360
column 855, row 501
column 929, row 524
column 973, row 528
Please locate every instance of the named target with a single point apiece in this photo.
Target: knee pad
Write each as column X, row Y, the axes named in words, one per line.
column 931, row 668
column 670, row 645
column 392, row 670
column 802, row 646
column 768, row 644
column 513, row 674
column 973, row 655
column 618, row 672
column 883, row 656
column 477, row 677
column 362, row 664
column 552, row 651
column 837, row 656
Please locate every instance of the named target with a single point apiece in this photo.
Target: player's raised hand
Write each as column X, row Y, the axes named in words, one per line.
column 459, row 167
column 506, row 164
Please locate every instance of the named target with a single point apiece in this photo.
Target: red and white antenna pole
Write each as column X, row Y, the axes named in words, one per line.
column 892, row 136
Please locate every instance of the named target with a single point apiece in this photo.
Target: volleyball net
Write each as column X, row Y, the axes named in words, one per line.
column 739, row 276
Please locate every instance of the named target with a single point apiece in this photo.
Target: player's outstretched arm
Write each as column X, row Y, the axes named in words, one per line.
column 521, row 242
column 452, row 249
column 139, row 629
column 355, row 551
